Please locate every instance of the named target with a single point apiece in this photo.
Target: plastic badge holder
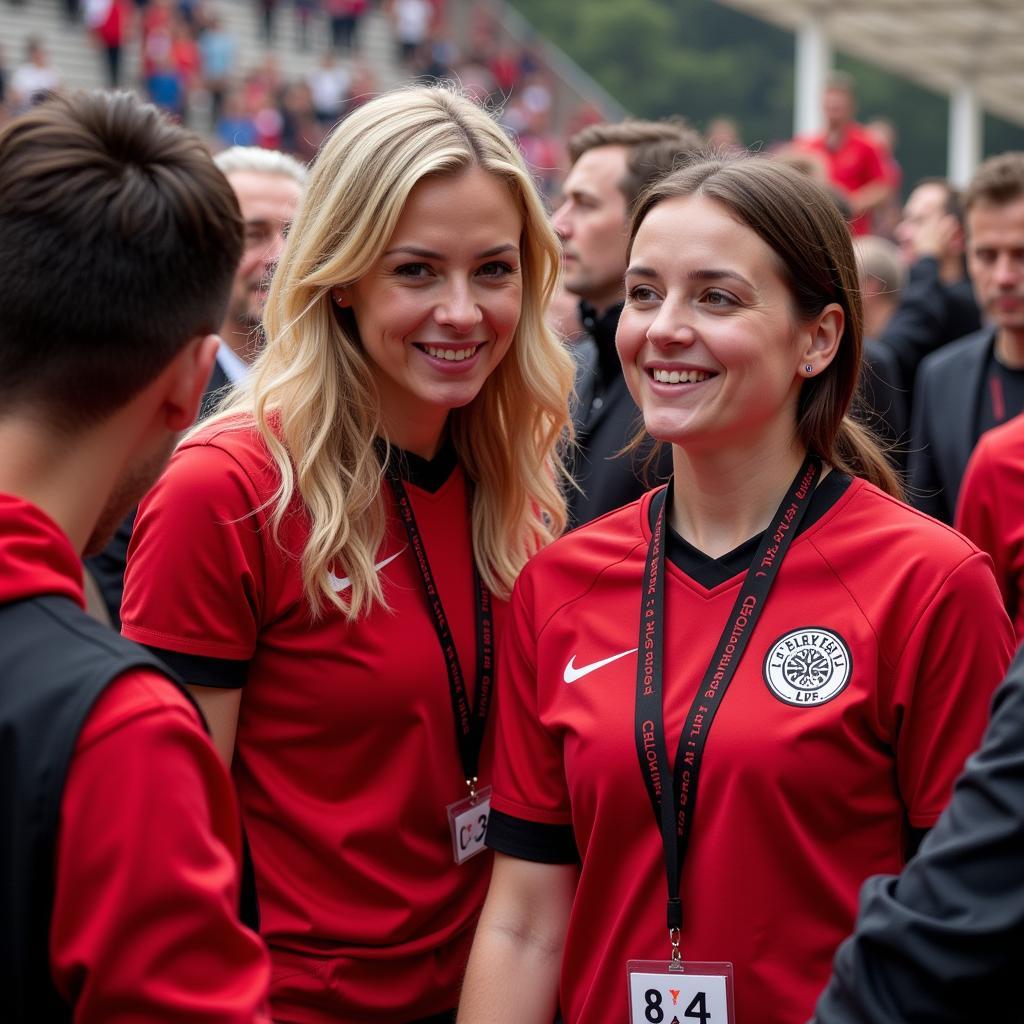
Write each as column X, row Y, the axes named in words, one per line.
column 680, row 992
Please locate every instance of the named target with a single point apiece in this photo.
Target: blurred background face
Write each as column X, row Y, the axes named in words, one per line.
column 838, row 107
column 268, row 203
column 995, row 259
column 592, row 225
column 925, row 206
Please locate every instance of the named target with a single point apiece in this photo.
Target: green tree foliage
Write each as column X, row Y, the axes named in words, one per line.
column 701, row 59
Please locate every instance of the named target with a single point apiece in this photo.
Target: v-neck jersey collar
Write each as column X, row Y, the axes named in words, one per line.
column 710, row 572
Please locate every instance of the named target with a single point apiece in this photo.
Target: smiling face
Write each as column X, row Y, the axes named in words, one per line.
column 710, row 346
column 437, row 311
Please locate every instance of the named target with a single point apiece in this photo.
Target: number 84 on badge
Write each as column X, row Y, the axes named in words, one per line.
column 679, row 993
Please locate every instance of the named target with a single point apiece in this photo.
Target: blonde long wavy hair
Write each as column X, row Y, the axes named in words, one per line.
column 313, row 398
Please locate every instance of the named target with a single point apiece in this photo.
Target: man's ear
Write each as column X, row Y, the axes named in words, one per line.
column 820, row 340
column 189, row 374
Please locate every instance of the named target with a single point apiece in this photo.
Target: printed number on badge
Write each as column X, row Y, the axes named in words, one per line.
column 468, row 822
column 660, row 993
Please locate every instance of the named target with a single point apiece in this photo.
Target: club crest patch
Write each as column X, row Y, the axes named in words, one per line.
column 808, row 666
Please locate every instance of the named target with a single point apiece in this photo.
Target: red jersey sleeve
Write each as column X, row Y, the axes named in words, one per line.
column 529, row 775
column 955, row 656
column 874, row 165
column 195, row 577
column 145, row 921
column 979, row 518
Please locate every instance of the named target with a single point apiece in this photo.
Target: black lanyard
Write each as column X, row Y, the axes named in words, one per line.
column 470, row 722
column 673, row 797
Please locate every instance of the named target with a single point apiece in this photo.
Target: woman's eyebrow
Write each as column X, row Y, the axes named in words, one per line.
column 430, row 254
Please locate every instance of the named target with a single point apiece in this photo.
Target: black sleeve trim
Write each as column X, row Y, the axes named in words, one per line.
column 199, row 670
column 530, row 840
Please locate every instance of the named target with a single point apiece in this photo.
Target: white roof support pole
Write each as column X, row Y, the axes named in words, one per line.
column 964, row 134
column 813, row 63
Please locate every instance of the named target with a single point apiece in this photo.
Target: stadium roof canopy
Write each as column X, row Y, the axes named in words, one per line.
column 973, row 50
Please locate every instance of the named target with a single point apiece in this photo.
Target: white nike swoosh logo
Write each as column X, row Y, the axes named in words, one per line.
column 344, row 583
column 572, row 673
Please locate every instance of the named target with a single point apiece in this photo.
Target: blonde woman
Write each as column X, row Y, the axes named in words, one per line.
column 327, row 561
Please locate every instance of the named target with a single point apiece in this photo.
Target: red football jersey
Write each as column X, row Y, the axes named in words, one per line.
column 346, row 754
column 865, row 686
column 990, row 510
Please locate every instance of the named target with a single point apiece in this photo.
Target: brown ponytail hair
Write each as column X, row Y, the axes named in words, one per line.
column 800, row 222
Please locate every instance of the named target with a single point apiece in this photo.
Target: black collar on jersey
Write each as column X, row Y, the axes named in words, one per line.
column 711, row 572
column 428, row 475
column 602, row 327
column 673, row 790
column 470, row 721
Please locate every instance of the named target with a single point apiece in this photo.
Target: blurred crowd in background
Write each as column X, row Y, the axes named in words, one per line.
column 191, row 64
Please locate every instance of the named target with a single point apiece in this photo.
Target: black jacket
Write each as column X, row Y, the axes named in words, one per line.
column 56, row 663
column 930, row 314
column 943, row 430
column 944, row 942
column 606, row 419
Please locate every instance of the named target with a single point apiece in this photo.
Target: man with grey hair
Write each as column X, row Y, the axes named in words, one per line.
column 268, row 186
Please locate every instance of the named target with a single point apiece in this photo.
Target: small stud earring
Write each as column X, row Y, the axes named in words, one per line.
column 809, row 368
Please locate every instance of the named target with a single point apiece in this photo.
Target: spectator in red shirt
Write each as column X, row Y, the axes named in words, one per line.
column 853, row 159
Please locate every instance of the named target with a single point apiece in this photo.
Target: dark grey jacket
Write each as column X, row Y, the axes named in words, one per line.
column 943, row 432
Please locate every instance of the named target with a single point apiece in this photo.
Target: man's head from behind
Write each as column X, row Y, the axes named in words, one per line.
column 268, row 186
column 612, row 165
column 994, row 212
column 118, row 243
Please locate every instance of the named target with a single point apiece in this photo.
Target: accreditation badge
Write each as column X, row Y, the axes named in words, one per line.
column 467, row 820
column 679, row 992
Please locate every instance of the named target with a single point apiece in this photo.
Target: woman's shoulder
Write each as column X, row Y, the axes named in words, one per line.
column 902, row 569
column 222, row 454
column 230, row 432
column 887, row 530
column 580, row 556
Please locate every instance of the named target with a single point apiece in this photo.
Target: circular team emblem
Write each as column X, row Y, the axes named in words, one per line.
column 807, row 666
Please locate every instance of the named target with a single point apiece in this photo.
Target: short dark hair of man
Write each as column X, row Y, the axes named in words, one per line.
column 119, row 239
column 653, row 149
column 998, row 181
